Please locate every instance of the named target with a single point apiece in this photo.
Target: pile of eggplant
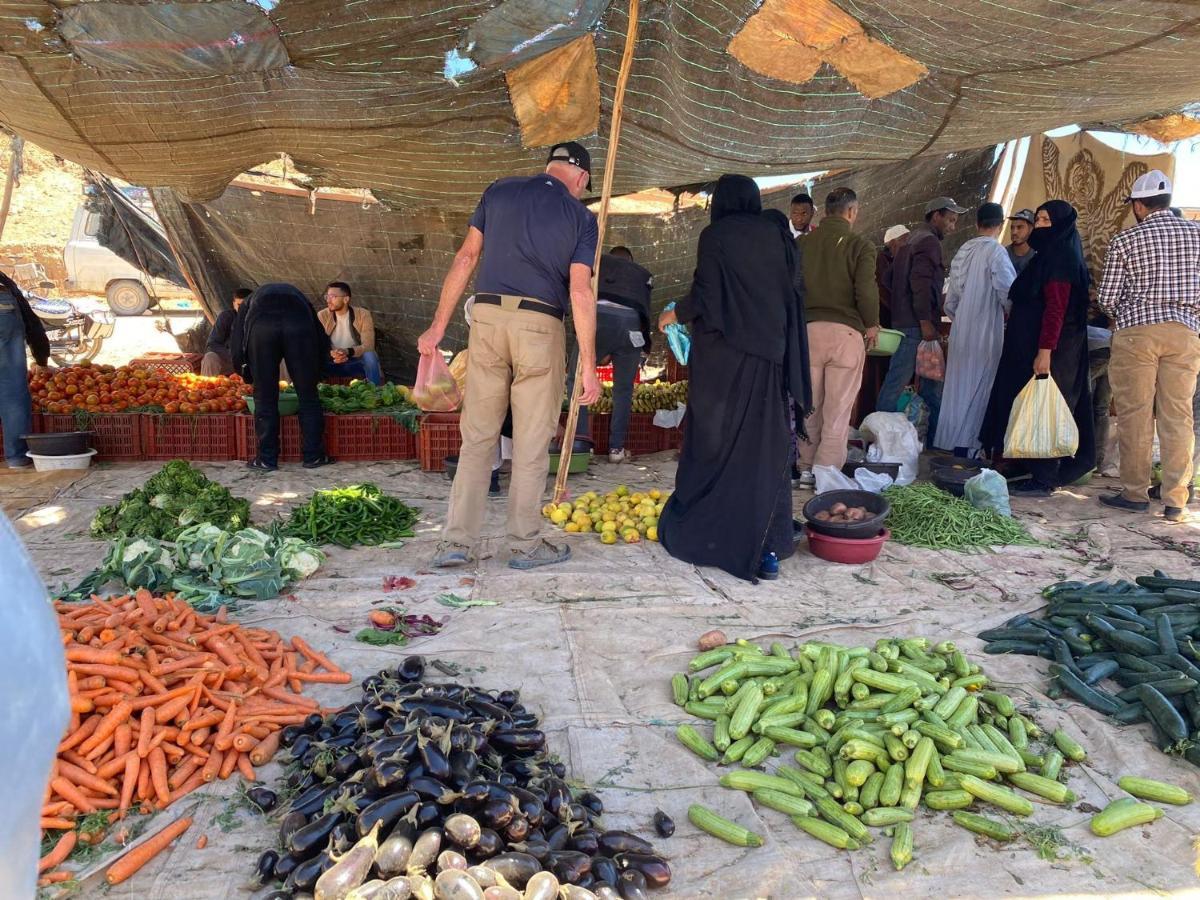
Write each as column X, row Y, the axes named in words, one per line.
column 1141, row 636
column 443, row 791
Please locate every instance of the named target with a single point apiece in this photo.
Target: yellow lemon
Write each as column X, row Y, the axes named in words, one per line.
column 599, row 527
column 565, row 507
column 609, row 526
column 635, row 498
column 656, row 494
column 548, row 510
column 572, row 527
column 584, row 523
column 652, row 533
column 559, row 516
column 632, row 537
column 609, row 537
column 622, row 491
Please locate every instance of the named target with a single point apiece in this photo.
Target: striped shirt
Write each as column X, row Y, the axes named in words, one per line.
column 1152, row 273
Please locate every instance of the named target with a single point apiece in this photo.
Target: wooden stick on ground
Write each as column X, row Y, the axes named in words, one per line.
column 614, row 137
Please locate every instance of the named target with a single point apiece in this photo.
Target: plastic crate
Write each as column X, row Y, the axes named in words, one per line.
column 289, row 439
column 642, row 437
column 211, row 436
column 438, row 438
column 116, row 437
column 369, row 437
column 178, row 363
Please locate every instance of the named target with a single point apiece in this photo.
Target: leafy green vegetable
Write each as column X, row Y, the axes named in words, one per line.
column 174, row 498
column 356, row 514
column 362, row 396
column 456, row 602
column 377, row 637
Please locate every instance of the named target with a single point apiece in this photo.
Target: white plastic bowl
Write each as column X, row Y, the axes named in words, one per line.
column 44, row 463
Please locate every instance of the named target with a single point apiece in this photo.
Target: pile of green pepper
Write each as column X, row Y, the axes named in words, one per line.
column 355, row 514
column 923, row 515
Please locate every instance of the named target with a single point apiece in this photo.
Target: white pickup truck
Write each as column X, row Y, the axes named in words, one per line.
column 93, row 268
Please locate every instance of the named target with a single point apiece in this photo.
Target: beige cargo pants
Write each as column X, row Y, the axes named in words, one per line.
column 516, row 357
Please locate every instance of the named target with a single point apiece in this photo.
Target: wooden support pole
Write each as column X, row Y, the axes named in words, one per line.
column 14, row 169
column 610, row 161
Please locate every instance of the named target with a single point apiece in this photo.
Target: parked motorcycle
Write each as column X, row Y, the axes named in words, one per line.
column 75, row 335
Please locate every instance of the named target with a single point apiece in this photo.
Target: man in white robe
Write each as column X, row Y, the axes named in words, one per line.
column 977, row 304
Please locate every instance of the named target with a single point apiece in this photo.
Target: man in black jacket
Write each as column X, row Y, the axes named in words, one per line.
column 18, row 326
column 918, row 274
column 218, row 355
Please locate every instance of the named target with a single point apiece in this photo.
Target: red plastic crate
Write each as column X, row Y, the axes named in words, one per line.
column 178, row 363
column 211, row 436
column 675, row 371
column 289, row 438
column 642, row 437
column 438, row 438
column 116, row 437
column 368, row 437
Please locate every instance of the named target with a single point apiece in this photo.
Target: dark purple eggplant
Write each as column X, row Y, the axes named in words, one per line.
column 586, row 840
column 284, row 867
column 347, row 715
column 372, row 684
column 593, row 803
column 605, row 870
column 313, row 800
column 508, row 698
column 299, row 781
column 436, row 763
column 397, row 747
column 529, row 804
column 396, row 726
column 614, row 842
column 324, row 733
column 516, row 868
column 301, row 746
column 461, row 738
column 569, row 866
column 663, row 824
column 384, row 778
column 313, row 722
column 292, row 822
column 411, row 669
column 463, row 764
column 517, row 830
column 428, row 815
column 307, row 841
column 557, row 837
column 517, row 709
column 632, row 885
column 476, row 791
column 343, row 837
column 655, row 869
column 525, row 722
column 489, row 844
column 371, row 717
column 288, row 735
column 586, row 881
column 278, row 895
column 347, row 765
column 415, row 769
column 536, row 847
column 443, row 709
column 386, row 810
column 558, row 769
column 304, row 876
column 487, row 709
column 508, row 779
column 309, row 759
column 265, row 868
column 264, row 798
column 522, row 769
column 558, row 795
column 340, row 741
column 496, row 813
column 518, row 743
column 429, row 788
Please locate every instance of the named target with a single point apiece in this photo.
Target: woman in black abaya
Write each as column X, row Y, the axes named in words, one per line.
column 732, row 505
column 1047, row 335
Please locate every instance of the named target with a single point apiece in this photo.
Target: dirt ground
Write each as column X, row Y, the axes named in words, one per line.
column 592, row 644
column 43, row 208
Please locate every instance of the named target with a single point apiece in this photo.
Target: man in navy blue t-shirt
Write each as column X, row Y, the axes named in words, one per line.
column 535, row 264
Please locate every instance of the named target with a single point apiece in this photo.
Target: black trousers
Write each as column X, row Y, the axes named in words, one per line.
column 282, row 332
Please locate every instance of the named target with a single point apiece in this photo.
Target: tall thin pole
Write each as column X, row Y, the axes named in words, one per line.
column 14, row 172
column 610, row 161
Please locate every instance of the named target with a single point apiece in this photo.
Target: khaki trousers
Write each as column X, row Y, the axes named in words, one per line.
column 516, row 357
column 1153, row 375
column 837, row 354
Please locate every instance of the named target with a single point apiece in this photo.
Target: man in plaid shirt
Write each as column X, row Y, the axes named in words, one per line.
column 1151, row 289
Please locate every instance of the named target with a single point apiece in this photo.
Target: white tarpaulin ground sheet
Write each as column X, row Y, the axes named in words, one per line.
column 592, row 645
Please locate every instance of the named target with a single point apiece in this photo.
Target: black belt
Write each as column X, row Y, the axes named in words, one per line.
column 530, row 305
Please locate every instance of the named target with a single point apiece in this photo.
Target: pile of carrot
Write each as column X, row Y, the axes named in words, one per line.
column 164, row 700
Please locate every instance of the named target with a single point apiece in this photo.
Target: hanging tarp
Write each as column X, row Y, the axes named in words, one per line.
column 413, row 99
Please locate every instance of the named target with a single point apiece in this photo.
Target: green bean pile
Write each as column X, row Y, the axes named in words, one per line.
column 356, row 514
column 926, row 516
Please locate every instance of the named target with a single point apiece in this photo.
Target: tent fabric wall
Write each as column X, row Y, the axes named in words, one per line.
column 386, row 96
column 395, row 260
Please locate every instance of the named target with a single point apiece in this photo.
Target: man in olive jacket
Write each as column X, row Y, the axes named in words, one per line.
column 842, row 306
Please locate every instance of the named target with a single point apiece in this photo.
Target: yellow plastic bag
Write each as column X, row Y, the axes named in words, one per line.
column 1041, row 425
column 458, row 368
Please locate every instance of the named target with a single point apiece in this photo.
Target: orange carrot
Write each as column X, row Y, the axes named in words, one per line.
column 72, row 794
column 75, row 759
column 183, row 772
column 244, row 743
column 173, row 708
column 194, row 782
column 243, row 766
column 83, row 778
column 129, row 785
column 62, row 849
column 267, row 748
column 114, row 766
column 319, row 658
column 127, row 865
column 145, row 732
column 112, row 673
column 144, row 790
column 202, row 842
column 228, row 764
column 107, row 726
column 158, row 774
column 212, row 767
column 78, row 654
column 224, row 736
column 123, row 739
column 325, row 677
column 51, row 878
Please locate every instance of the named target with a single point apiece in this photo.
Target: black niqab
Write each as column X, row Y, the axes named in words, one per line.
column 735, row 194
column 1059, row 255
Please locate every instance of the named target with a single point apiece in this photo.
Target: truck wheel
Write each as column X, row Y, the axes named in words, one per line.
column 127, row 298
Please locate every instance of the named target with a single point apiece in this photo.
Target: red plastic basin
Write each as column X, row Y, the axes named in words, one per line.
column 846, row 550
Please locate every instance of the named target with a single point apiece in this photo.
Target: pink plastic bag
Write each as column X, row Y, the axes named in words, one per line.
column 931, row 362
column 436, row 389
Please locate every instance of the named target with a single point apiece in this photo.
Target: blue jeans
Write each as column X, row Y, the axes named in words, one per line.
column 613, row 329
column 900, row 375
column 16, row 413
column 365, row 366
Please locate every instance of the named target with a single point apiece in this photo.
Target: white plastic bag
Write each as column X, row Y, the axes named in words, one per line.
column 893, row 439
column 988, row 490
column 670, row 418
column 830, row 478
column 1040, row 425
column 875, row 482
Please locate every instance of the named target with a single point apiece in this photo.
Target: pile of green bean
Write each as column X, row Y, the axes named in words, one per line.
column 926, row 516
column 356, row 514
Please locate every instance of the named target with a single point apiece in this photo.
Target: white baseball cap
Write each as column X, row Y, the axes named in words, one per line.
column 1153, row 184
column 896, row 231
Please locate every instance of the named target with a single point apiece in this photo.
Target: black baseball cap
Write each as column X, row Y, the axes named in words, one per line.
column 574, row 153
column 989, row 215
column 1025, row 215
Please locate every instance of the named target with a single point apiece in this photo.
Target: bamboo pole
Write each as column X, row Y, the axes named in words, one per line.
column 610, row 161
column 14, row 169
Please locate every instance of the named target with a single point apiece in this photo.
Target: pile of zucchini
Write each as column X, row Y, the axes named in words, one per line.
column 873, row 733
column 1136, row 636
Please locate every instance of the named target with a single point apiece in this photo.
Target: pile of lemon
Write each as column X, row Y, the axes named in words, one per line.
column 615, row 516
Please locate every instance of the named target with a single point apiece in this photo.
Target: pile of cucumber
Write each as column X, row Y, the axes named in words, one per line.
column 867, row 734
column 1136, row 636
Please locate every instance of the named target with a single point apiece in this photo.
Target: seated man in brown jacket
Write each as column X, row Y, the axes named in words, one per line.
column 351, row 333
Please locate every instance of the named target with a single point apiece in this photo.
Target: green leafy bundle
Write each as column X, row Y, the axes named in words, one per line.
column 356, row 514
column 362, row 396
column 174, row 498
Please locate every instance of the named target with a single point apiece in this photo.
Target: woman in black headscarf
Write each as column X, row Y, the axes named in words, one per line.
column 278, row 324
column 732, row 505
column 1047, row 335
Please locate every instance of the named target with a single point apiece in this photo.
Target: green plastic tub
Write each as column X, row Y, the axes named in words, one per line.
column 887, row 343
